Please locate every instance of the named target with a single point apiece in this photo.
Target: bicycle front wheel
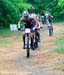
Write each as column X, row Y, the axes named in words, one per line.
column 28, row 49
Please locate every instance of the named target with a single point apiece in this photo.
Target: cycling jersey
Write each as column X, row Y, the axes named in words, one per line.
column 28, row 23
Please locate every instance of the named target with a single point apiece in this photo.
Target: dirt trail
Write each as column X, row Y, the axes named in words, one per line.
column 13, row 59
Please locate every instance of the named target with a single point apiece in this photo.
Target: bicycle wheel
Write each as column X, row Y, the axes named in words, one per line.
column 50, row 31
column 36, row 40
column 28, row 49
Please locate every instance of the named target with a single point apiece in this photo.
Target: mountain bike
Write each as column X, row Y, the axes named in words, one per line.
column 27, row 40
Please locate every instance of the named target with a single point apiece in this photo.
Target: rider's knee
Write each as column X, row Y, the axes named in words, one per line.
column 23, row 33
column 31, row 34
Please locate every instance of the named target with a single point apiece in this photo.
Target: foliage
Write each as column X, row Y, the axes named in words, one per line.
column 56, row 7
column 10, row 10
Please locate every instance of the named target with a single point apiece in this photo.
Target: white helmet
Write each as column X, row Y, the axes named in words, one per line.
column 46, row 14
column 25, row 13
column 32, row 15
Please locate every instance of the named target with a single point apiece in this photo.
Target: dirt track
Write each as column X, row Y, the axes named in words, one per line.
column 13, row 59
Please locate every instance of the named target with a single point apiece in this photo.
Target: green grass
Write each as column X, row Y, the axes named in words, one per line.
column 6, row 33
column 59, row 50
column 5, row 42
column 60, row 32
column 60, row 41
column 59, row 44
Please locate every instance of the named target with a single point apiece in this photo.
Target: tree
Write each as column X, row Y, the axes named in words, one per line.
column 9, row 11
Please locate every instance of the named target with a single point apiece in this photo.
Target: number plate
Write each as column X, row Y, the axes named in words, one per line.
column 27, row 30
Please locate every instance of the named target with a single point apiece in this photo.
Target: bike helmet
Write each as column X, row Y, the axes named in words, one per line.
column 32, row 15
column 25, row 13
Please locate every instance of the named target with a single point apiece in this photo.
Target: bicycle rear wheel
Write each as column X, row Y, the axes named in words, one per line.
column 50, row 31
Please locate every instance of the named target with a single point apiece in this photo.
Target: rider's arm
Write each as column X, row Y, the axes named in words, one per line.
column 37, row 21
column 19, row 22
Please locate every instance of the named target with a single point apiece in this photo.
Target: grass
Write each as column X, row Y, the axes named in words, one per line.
column 59, row 50
column 5, row 42
column 61, row 31
column 6, row 33
column 60, row 46
column 59, row 43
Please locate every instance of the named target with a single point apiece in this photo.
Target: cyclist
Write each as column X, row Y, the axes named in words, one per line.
column 38, row 26
column 49, row 21
column 29, row 23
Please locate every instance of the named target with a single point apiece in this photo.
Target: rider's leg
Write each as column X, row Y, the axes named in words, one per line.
column 23, row 39
column 38, row 34
column 32, row 40
column 23, row 36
